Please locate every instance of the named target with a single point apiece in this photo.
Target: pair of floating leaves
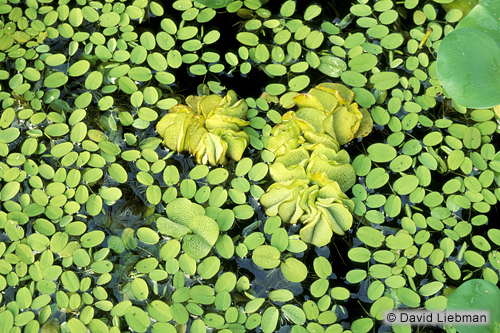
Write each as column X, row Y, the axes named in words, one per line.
column 268, row 257
column 188, row 221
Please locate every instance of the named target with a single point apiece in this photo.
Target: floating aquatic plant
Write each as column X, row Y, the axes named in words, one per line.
column 468, row 58
column 209, row 127
column 323, row 210
column 308, row 140
column 188, row 221
column 307, row 148
column 476, row 295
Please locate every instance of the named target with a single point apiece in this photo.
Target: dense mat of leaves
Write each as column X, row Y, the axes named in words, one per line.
column 106, row 229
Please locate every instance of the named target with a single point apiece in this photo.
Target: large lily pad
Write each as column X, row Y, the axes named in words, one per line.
column 468, row 58
column 476, row 295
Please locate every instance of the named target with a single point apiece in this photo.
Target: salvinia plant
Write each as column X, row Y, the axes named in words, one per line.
column 187, row 221
column 468, row 60
column 310, row 171
column 209, row 127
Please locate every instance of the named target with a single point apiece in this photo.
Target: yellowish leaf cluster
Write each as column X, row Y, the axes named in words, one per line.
column 209, row 127
column 310, row 170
